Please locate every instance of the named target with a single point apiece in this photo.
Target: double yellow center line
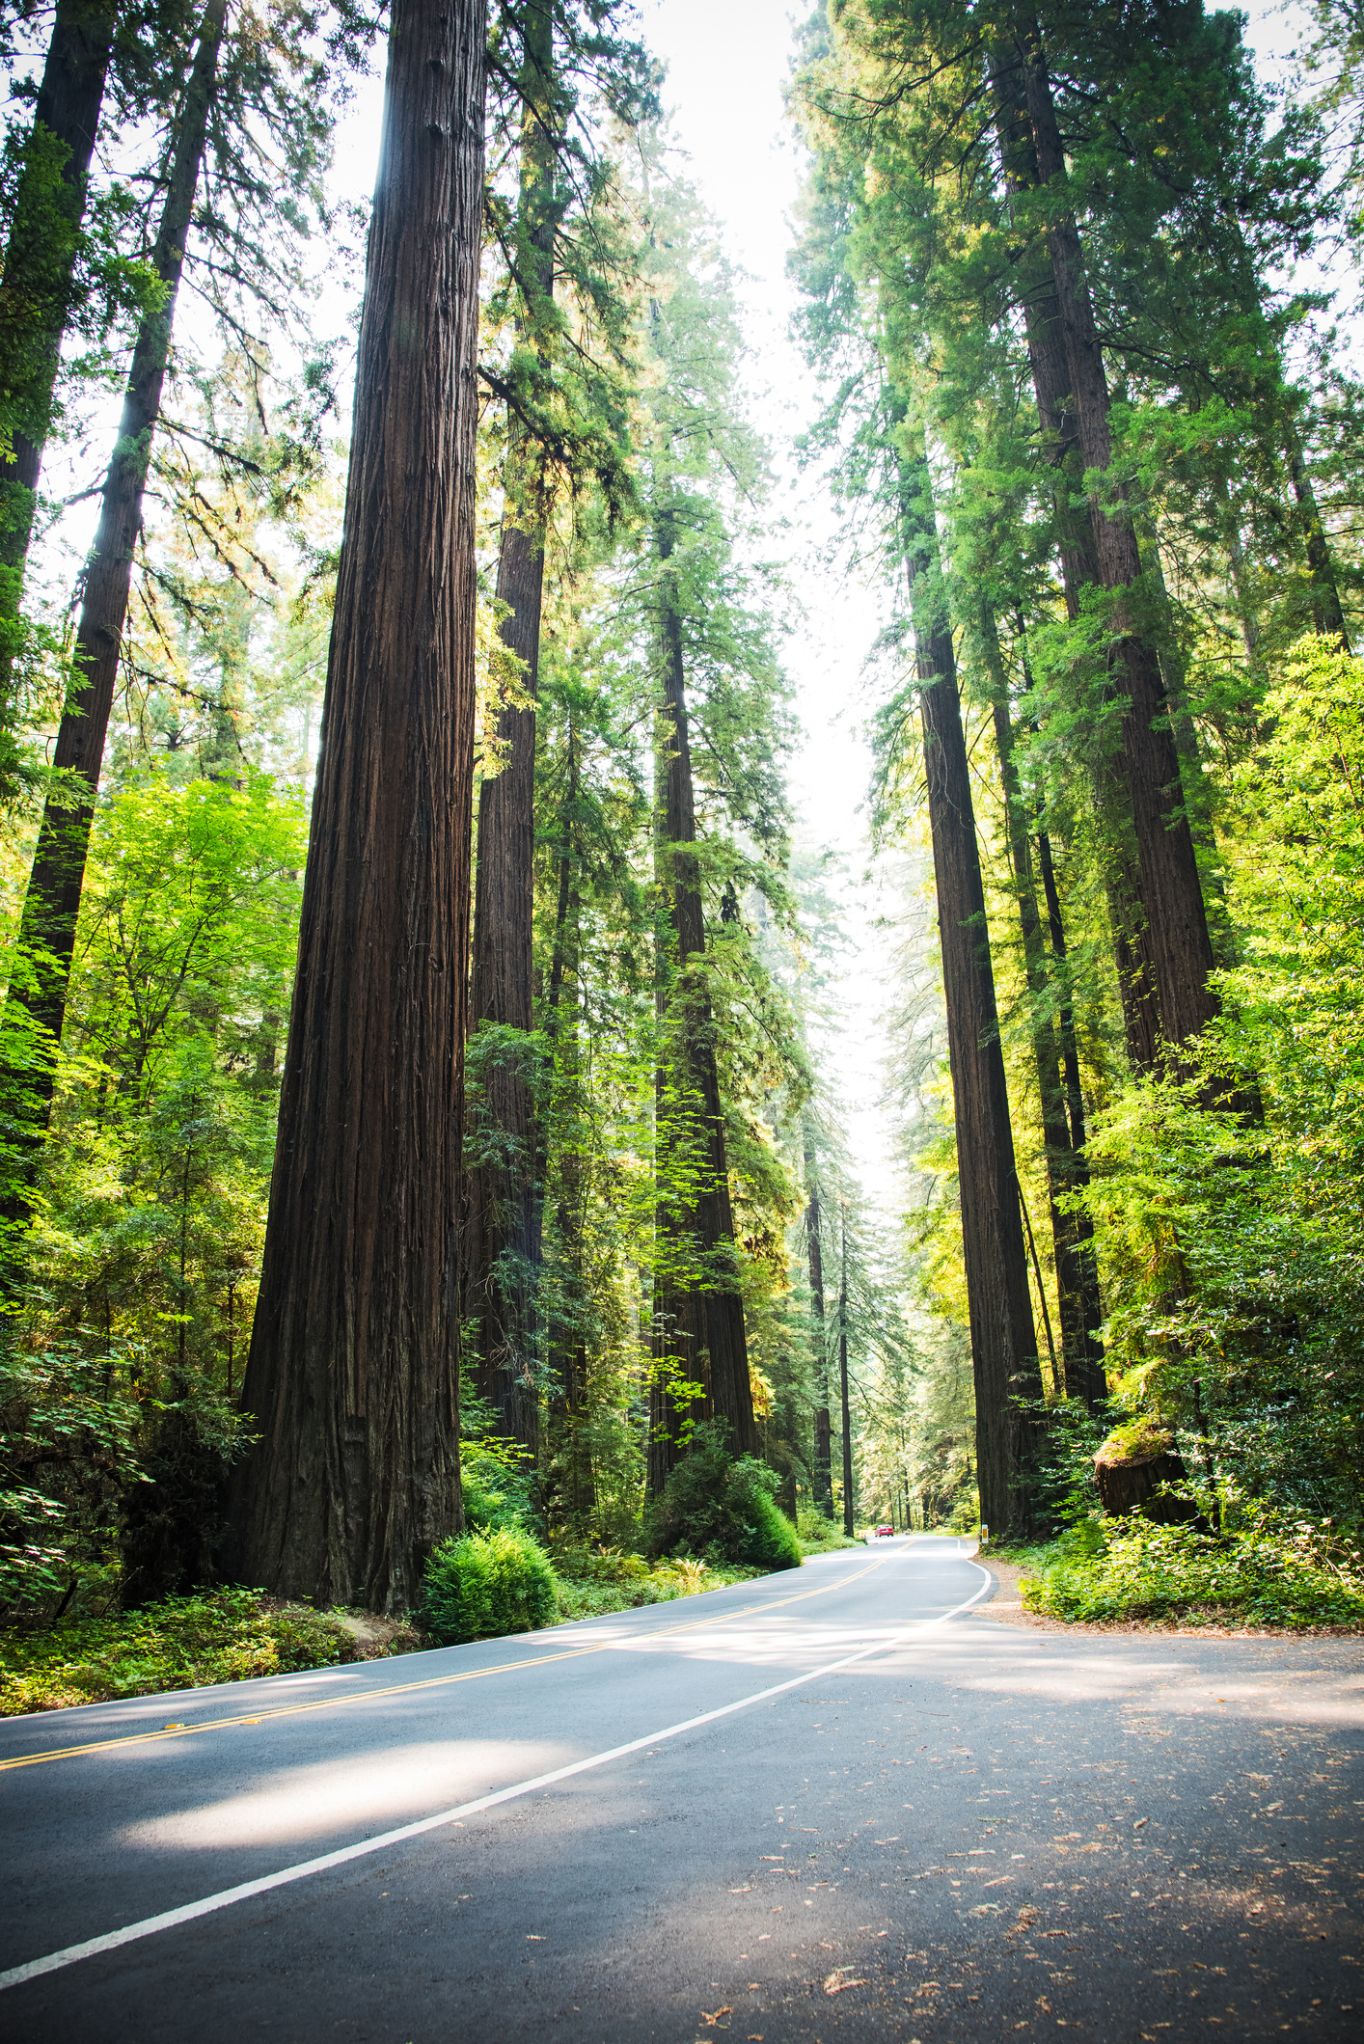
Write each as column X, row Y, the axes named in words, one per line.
column 289, row 1710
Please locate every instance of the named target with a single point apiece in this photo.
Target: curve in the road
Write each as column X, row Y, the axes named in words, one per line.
column 188, row 1731
column 208, row 1905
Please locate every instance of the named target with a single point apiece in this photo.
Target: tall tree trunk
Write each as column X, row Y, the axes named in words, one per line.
column 39, row 273
column 505, row 1200
column 1065, row 1013
column 1328, row 616
column 47, row 933
column 566, row 1361
column 352, row 1385
column 1079, row 559
column 699, row 1313
column 845, row 1403
column 823, row 1470
column 1171, row 895
column 1077, row 1274
column 1003, row 1341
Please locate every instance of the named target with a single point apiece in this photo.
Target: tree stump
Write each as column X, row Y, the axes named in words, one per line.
column 1132, row 1466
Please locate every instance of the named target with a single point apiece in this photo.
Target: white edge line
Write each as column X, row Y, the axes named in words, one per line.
column 208, row 1905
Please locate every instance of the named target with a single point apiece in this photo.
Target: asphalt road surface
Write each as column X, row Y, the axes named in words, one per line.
column 841, row 1804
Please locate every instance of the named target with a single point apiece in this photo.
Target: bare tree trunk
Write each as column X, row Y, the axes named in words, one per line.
column 352, row 1384
column 699, row 1314
column 505, row 1199
column 823, row 1471
column 1171, row 895
column 1003, row 1340
column 1077, row 1275
column 47, row 934
column 39, row 273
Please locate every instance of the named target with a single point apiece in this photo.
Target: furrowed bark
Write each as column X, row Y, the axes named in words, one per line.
column 1003, row 1340
column 1079, row 560
column 352, row 1384
column 1171, row 894
column 47, row 932
column 505, row 1198
column 698, row 1325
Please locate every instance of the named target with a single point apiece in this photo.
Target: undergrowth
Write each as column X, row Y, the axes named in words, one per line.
column 1294, row 1575
column 595, row 1580
column 179, row 1643
column 818, row 1535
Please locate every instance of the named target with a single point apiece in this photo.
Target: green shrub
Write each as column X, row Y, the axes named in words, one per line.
column 965, row 1514
column 1262, row 1572
column 818, row 1535
column 495, row 1485
column 722, row 1510
column 68, row 1456
column 594, row 1581
column 179, row 1643
column 481, row 1585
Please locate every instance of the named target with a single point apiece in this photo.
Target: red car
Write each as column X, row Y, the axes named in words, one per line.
column 885, row 1532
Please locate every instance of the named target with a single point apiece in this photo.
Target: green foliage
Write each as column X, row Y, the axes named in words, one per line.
column 964, row 1516
column 722, row 1510
column 219, row 1636
column 68, row 1457
column 482, row 1585
column 1237, row 1287
column 495, row 1479
column 1064, row 1475
column 1267, row 1571
column 595, row 1580
column 818, row 1535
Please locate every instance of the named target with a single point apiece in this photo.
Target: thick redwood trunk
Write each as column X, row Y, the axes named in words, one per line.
column 1079, row 559
column 48, row 927
column 1171, row 895
column 698, row 1310
column 39, row 271
column 352, row 1385
column 1077, row 1275
column 504, row 1196
column 1003, row 1342
column 823, row 1466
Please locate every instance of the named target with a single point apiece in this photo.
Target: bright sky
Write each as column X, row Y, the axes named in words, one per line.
column 728, row 62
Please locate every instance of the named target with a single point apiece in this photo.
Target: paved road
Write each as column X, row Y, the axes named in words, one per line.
column 835, row 1806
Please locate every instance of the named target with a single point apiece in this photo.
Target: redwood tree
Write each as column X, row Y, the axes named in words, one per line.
column 505, row 1224
column 814, row 1240
column 1171, row 898
column 39, row 272
column 47, row 935
column 1003, row 1342
column 698, row 1308
column 352, row 1384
